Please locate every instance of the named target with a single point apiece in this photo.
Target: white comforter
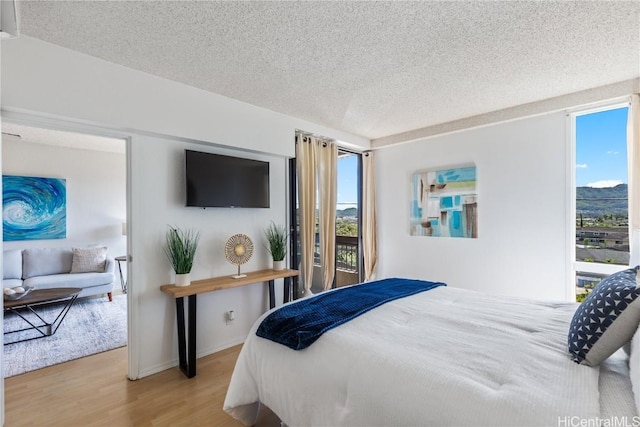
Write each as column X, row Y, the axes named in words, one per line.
column 445, row 357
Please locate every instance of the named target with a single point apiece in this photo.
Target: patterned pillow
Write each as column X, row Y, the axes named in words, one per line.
column 88, row 260
column 606, row 319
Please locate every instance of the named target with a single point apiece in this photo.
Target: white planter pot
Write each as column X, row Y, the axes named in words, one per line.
column 278, row 265
column 183, row 279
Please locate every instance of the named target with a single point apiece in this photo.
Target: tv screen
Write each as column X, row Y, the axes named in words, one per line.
column 214, row 180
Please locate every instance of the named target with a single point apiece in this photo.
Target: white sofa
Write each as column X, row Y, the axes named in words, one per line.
column 46, row 268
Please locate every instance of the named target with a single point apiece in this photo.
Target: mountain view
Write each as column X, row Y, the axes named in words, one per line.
column 347, row 213
column 596, row 202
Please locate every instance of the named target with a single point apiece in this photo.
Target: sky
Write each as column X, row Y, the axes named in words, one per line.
column 601, row 148
column 347, row 182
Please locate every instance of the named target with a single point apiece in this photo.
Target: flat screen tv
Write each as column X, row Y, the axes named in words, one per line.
column 214, row 180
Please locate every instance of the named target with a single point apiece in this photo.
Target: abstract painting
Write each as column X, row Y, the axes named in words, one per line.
column 33, row 208
column 444, row 203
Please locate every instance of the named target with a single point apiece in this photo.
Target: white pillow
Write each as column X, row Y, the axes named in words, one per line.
column 89, row 260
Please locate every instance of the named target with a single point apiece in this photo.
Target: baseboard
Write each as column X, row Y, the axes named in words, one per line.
column 222, row 346
column 174, row 362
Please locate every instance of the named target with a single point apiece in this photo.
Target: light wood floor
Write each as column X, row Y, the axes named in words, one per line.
column 94, row 391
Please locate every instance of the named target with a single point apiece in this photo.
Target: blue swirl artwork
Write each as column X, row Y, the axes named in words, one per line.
column 33, row 208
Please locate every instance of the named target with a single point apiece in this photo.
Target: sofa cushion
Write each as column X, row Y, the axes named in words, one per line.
column 78, row 280
column 12, row 264
column 87, row 260
column 45, row 261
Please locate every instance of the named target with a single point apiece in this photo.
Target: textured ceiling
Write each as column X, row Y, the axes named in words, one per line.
column 370, row 68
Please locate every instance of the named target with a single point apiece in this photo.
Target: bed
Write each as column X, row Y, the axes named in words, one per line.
column 444, row 357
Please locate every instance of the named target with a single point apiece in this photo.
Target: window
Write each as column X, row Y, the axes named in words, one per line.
column 601, row 196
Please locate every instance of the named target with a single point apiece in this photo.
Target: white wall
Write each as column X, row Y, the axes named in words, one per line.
column 47, row 81
column 96, row 191
column 160, row 200
column 522, row 202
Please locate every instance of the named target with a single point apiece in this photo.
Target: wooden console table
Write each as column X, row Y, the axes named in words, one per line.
column 186, row 355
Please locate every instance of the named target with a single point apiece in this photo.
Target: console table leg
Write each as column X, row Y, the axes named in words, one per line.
column 272, row 294
column 187, row 356
column 191, row 353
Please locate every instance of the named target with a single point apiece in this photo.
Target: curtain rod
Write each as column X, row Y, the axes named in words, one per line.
column 315, row 135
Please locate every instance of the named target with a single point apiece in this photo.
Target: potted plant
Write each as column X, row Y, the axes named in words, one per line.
column 181, row 248
column 277, row 240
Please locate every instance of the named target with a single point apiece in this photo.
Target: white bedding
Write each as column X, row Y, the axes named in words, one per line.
column 442, row 357
column 616, row 395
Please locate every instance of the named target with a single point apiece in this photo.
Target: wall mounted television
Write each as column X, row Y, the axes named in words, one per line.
column 214, row 180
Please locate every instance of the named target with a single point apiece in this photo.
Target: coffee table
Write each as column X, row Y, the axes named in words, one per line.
column 30, row 302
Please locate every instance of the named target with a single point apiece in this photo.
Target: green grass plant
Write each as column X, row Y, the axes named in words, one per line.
column 181, row 248
column 277, row 241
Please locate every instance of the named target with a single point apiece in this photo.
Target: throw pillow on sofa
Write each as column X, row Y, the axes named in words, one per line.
column 12, row 264
column 89, row 260
column 46, row 261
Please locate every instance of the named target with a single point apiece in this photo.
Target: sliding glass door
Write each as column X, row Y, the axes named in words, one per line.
column 348, row 263
column 348, row 219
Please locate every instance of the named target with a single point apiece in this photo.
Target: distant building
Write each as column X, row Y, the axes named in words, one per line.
column 603, row 244
column 603, row 255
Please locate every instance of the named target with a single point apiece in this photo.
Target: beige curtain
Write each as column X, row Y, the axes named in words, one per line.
column 327, row 158
column 369, row 226
column 306, row 170
column 633, row 159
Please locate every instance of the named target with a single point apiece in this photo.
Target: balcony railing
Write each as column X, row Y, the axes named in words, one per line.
column 346, row 253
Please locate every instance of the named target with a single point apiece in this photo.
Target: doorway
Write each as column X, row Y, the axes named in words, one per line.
column 93, row 171
column 348, row 262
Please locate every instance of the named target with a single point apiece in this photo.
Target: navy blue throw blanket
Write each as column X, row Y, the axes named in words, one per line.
column 299, row 325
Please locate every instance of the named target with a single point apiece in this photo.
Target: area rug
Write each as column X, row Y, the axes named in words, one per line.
column 92, row 326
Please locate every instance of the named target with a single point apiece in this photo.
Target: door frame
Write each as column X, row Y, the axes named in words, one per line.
column 293, row 220
column 68, row 125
